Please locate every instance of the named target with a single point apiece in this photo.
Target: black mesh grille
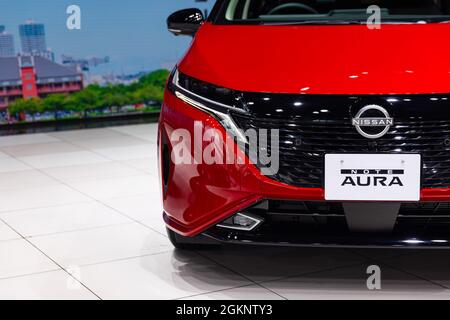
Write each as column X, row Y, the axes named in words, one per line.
column 411, row 215
column 303, row 145
column 423, row 209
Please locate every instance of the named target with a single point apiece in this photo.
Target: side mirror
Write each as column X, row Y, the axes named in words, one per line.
column 185, row 22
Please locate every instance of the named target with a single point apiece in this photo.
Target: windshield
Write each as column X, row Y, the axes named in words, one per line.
column 332, row 11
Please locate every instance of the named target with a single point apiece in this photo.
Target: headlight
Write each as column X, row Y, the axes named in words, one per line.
column 221, row 96
column 216, row 101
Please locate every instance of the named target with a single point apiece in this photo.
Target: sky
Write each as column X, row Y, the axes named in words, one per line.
column 132, row 33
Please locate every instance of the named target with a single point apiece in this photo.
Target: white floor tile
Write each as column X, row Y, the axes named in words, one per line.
column 146, row 209
column 351, row 284
column 63, row 159
column 87, row 134
column 252, row 292
column 18, row 257
column 40, row 148
column 9, row 164
column 268, row 263
column 26, row 139
column 39, row 197
column 377, row 254
column 2, row 154
column 6, row 233
column 147, row 132
column 169, row 275
column 149, row 128
column 433, row 265
column 62, row 219
column 92, row 172
column 54, row 285
column 116, row 187
column 110, row 142
column 138, row 207
column 156, row 224
column 129, row 153
column 24, row 179
column 147, row 165
column 103, row 244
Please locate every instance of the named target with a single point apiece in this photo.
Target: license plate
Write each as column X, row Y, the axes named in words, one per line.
column 372, row 177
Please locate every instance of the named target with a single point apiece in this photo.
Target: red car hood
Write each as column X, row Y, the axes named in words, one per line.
column 398, row 59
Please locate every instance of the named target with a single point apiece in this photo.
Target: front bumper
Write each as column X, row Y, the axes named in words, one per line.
column 197, row 197
column 299, row 223
column 327, row 239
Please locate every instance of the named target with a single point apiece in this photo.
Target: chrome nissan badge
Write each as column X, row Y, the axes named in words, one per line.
column 375, row 124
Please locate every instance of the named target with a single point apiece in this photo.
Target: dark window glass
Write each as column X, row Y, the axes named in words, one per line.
column 332, row 11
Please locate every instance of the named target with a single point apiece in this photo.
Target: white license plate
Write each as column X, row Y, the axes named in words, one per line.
column 372, row 177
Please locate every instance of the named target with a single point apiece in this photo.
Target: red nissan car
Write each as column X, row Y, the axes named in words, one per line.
column 309, row 123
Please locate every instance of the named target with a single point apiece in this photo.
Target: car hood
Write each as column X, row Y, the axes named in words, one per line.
column 350, row 59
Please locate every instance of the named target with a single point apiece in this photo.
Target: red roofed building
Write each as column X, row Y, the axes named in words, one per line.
column 32, row 76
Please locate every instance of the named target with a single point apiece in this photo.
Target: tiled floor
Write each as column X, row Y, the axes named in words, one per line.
column 80, row 218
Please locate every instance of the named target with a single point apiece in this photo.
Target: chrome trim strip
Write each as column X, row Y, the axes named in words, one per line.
column 225, row 119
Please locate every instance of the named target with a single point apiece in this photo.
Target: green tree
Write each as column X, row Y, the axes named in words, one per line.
column 71, row 105
column 156, row 78
column 150, row 88
column 26, row 106
column 55, row 103
column 16, row 107
column 86, row 100
column 114, row 99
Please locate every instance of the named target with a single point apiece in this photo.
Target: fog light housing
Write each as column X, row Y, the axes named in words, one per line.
column 242, row 222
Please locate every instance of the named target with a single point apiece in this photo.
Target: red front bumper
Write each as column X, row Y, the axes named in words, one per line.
column 199, row 196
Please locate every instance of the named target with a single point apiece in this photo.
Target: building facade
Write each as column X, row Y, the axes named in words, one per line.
column 32, row 37
column 32, row 76
column 7, row 45
column 33, row 40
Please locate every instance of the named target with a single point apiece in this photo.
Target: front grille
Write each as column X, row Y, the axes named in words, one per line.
column 425, row 209
column 303, row 145
column 417, row 215
column 317, row 208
